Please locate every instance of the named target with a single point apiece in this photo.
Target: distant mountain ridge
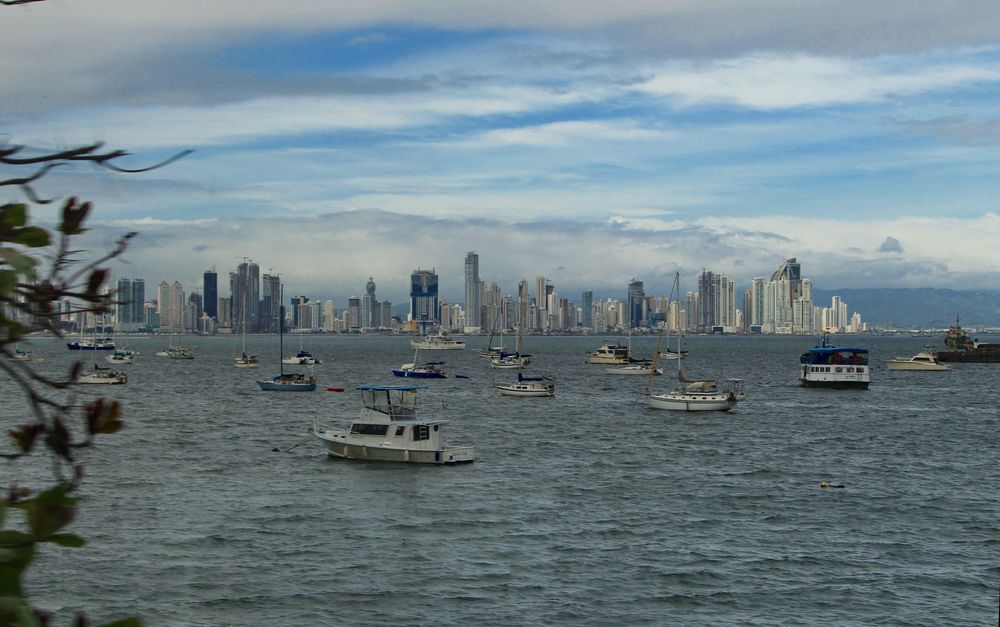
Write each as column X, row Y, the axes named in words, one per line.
column 918, row 307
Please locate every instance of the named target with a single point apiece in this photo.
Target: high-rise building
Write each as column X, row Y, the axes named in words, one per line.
column 370, row 310
column 636, row 296
column 424, row 298
column 354, row 314
column 472, row 291
column 131, row 300
column 170, row 306
column 245, row 287
column 210, row 289
column 270, row 303
column 587, row 309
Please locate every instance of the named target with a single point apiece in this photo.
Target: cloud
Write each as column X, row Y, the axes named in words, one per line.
column 890, row 245
column 771, row 81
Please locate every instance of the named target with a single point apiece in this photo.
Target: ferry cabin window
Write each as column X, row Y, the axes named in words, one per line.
column 421, row 432
column 368, row 429
column 400, row 429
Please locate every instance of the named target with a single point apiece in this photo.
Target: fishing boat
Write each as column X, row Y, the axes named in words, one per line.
column 922, row 361
column 826, row 366
column 103, row 376
column 691, row 394
column 528, row 386
column 388, row 429
column 609, row 353
column 418, row 370
column 286, row 382
column 437, row 342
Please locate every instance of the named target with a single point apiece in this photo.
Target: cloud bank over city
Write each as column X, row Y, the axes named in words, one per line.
column 585, row 142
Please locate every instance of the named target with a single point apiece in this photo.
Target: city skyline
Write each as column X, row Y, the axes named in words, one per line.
column 589, row 143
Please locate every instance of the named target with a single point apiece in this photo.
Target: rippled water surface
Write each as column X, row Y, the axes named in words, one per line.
column 586, row 508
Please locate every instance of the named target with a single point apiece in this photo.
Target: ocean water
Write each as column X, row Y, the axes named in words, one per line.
column 583, row 509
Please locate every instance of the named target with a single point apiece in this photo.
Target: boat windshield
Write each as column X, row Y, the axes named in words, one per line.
column 397, row 404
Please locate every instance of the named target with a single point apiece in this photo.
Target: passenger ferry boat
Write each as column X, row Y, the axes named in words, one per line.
column 609, row 353
column 826, row 366
column 388, row 429
column 437, row 343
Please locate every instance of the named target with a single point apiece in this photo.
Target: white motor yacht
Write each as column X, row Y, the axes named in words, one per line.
column 388, row 429
column 923, row 361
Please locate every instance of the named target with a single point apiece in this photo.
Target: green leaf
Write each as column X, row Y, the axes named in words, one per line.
column 67, row 539
column 50, row 511
column 21, row 263
column 8, row 283
column 31, row 236
column 14, row 214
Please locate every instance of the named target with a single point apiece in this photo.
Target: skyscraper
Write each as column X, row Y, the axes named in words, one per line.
column 354, row 314
column 131, row 298
column 472, row 302
column 636, row 296
column 245, row 287
column 210, row 289
column 587, row 309
column 270, row 303
column 370, row 311
column 424, row 298
column 170, row 305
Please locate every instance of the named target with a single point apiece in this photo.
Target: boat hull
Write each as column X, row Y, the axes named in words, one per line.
column 841, row 384
column 506, row 389
column 414, row 374
column 630, row 370
column 970, row 356
column 76, row 346
column 271, row 386
column 915, row 366
column 692, row 402
column 338, row 447
column 604, row 359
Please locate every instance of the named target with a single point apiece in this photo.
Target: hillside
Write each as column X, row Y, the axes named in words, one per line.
column 918, row 308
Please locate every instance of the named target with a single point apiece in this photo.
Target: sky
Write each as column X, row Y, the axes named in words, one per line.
column 583, row 141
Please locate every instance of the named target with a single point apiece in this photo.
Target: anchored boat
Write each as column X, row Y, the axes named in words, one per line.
column 826, row 366
column 388, row 429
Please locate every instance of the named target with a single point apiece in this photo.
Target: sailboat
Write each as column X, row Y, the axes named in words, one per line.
column 286, row 382
column 691, row 394
column 517, row 359
column 639, row 368
column 491, row 351
column 245, row 360
column 21, row 355
column 120, row 356
column 302, row 358
column 176, row 352
column 417, row 370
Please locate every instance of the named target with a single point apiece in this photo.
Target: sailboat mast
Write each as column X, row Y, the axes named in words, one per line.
column 281, row 330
